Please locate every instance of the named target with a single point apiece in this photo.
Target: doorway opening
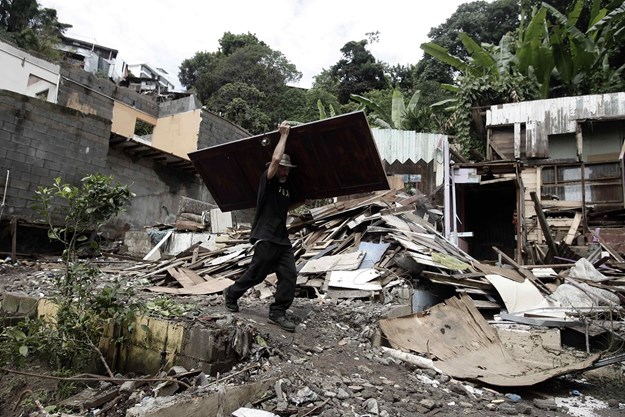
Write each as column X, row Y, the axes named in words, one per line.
column 488, row 211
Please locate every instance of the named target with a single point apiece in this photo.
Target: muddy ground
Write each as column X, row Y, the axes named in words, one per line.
column 328, row 367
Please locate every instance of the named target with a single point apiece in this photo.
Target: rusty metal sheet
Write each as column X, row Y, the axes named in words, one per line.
column 335, row 156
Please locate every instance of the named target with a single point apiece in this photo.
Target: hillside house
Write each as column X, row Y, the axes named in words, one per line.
column 562, row 156
column 91, row 125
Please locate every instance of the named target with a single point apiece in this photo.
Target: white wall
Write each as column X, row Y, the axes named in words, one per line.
column 23, row 73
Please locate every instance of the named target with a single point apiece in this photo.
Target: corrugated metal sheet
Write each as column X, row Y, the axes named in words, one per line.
column 558, row 115
column 401, row 145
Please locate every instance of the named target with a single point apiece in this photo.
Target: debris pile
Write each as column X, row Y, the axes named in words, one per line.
column 392, row 320
column 361, row 248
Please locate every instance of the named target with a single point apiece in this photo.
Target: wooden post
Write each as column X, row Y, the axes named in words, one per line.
column 580, row 157
column 543, row 223
column 13, row 239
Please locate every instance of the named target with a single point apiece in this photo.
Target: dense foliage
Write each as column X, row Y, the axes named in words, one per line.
column 550, row 54
column 244, row 81
column 31, row 27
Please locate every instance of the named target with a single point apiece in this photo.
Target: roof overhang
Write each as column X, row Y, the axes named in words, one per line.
column 137, row 150
column 335, row 156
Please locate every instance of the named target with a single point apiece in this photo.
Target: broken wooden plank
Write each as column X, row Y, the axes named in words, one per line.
column 181, row 277
column 607, row 247
column 347, row 293
column 568, row 239
column 151, row 256
column 193, row 276
column 450, row 280
column 542, row 220
column 511, row 274
column 211, row 286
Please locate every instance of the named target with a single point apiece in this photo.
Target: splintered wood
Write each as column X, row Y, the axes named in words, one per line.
column 361, row 247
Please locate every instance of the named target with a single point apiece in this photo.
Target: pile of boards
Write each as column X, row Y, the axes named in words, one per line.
column 390, row 243
column 360, row 248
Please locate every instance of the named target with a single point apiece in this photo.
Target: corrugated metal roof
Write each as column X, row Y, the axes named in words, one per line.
column 558, row 115
column 402, row 145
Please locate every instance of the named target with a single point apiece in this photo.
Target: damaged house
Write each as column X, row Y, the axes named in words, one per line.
column 553, row 177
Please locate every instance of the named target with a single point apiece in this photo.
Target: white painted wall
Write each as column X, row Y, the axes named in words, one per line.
column 25, row 74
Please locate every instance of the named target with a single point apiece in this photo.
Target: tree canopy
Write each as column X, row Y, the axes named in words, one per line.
column 357, row 72
column 550, row 54
column 483, row 21
column 241, row 80
column 485, row 53
column 31, row 27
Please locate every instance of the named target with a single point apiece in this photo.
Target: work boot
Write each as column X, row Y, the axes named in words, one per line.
column 282, row 321
column 230, row 303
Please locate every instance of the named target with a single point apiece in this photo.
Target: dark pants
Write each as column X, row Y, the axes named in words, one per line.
column 269, row 257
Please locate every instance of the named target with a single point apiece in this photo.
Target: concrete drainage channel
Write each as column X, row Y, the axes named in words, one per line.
column 154, row 344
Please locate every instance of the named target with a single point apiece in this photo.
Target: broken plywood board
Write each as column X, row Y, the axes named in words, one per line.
column 182, row 278
column 211, row 286
column 467, row 347
column 356, row 280
column 373, row 253
column 519, row 296
column 342, row 262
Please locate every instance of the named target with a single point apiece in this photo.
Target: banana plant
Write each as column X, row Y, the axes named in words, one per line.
column 578, row 54
column 399, row 113
column 322, row 110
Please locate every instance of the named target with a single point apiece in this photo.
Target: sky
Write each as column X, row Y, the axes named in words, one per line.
column 310, row 33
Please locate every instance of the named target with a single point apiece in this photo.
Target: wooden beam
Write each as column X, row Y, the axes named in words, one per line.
column 573, row 229
column 543, row 223
column 13, row 239
column 497, row 152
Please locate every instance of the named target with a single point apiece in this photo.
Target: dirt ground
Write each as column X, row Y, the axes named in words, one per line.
column 329, row 366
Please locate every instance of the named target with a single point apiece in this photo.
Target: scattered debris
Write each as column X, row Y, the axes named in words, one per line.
column 366, row 343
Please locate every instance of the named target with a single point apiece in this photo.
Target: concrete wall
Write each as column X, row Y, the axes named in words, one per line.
column 177, row 133
column 40, row 141
column 215, row 130
column 125, row 119
column 25, row 74
column 83, row 91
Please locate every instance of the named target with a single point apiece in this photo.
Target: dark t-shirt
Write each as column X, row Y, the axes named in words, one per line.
column 272, row 208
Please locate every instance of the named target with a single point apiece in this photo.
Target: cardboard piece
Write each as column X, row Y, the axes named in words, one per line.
column 465, row 346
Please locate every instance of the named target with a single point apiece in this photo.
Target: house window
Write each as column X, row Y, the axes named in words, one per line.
column 602, row 182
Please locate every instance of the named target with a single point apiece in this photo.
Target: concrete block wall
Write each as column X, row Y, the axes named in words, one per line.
column 155, row 343
column 215, row 130
column 84, row 91
column 40, row 141
column 180, row 105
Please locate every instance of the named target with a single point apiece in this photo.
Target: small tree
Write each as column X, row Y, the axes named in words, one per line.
column 84, row 307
